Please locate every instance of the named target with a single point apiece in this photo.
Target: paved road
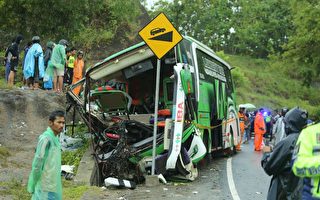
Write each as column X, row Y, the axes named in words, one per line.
column 250, row 182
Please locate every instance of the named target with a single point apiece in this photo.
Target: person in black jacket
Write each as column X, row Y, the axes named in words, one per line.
column 284, row 184
column 14, row 51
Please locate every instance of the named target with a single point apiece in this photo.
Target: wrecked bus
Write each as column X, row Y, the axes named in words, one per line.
column 197, row 111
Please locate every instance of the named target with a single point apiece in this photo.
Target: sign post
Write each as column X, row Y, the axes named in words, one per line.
column 161, row 36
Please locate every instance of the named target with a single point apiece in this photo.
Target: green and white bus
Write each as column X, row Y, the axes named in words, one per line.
column 197, row 109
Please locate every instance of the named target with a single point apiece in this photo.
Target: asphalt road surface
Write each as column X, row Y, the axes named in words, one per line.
column 251, row 181
column 239, row 177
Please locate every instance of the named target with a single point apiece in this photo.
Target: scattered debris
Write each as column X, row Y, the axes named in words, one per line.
column 176, row 184
column 119, row 182
column 103, row 188
column 165, row 189
column 162, row 179
column 69, row 143
column 67, row 171
column 258, row 192
column 195, row 192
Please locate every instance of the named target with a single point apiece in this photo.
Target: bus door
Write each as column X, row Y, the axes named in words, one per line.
column 219, row 112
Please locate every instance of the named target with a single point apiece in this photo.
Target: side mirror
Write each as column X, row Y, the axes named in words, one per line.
column 186, row 80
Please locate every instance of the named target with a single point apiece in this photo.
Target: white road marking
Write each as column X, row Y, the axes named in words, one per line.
column 231, row 184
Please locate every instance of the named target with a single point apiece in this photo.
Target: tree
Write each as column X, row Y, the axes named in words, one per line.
column 262, row 27
column 304, row 44
column 92, row 22
column 208, row 21
column 256, row 27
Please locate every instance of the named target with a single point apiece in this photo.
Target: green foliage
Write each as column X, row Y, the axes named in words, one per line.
column 239, row 78
column 14, row 189
column 304, row 44
column 204, row 20
column 91, row 23
column 4, row 152
column 73, row 191
column 257, row 28
column 74, row 157
column 262, row 29
column 89, row 37
column 269, row 83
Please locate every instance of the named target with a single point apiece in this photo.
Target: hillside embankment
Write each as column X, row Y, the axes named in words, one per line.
column 23, row 117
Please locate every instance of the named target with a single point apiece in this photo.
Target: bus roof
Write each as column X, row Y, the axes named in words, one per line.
column 132, row 55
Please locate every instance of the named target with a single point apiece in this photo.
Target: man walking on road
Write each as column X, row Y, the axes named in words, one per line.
column 45, row 177
column 259, row 130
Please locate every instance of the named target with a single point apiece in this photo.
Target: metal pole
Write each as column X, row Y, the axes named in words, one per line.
column 155, row 123
column 73, row 119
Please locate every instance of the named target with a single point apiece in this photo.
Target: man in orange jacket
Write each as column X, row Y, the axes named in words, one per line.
column 259, row 130
column 242, row 118
column 78, row 71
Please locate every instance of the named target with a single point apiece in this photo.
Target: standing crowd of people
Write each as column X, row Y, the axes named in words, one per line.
column 291, row 147
column 291, row 151
column 51, row 69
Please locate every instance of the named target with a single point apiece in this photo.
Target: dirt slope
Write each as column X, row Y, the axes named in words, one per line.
column 23, row 117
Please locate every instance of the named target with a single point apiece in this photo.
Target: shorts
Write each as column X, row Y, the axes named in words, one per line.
column 58, row 72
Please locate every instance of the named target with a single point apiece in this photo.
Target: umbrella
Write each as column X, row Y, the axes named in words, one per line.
column 248, row 106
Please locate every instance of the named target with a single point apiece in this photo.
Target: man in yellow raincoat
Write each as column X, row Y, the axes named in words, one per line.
column 45, row 177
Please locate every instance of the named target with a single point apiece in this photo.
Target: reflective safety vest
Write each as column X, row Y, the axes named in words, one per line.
column 71, row 61
column 306, row 161
column 268, row 119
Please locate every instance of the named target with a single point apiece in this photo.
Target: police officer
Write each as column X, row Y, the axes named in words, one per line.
column 306, row 161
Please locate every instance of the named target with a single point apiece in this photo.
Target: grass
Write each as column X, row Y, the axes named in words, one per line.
column 4, row 154
column 74, row 157
column 16, row 190
column 73, row 191
column 271, row 83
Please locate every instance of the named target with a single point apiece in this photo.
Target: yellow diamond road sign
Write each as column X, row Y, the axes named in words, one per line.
column 160, row 35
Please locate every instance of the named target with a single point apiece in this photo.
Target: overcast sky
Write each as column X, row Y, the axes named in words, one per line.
column 150, row 3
